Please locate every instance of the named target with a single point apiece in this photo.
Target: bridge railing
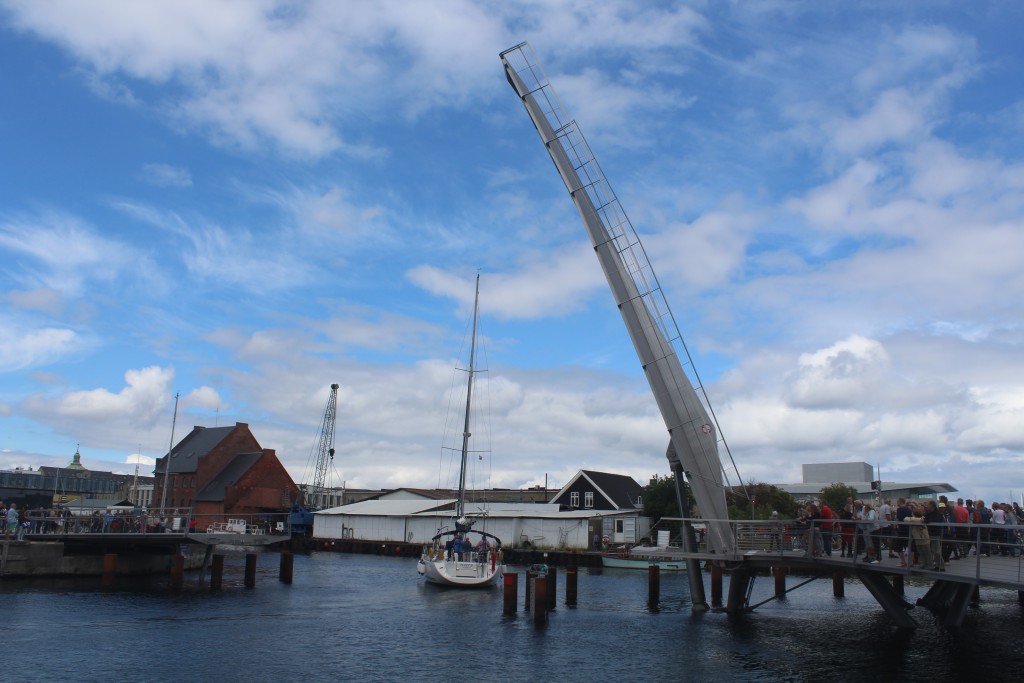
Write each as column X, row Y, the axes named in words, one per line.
column 171, row 521
column 909, row 546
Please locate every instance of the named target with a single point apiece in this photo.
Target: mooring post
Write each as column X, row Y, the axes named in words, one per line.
column 552, row 584
column 570, row 585
column 217, row 572
column 780, row 582
column 540, row 601
column 529, row 587
column 250, row 570
column 109, row 567
column 287, row 562
column 510, row 587
column 839, row 584
column 177, row 571
column 653, row 584
column 716, row 585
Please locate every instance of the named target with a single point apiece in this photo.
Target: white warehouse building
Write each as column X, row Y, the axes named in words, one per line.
column 516, row 524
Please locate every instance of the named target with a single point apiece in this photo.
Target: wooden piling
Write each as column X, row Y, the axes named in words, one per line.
column 552, row 585
column 529, row 587
column 839, row 584
column 217, row 572
column 897, row 584
column 177, row 571
column 109, row 568
column 540, row 601
column 780, row 582
column 510, row 588
column 653, row 584
column 716, row 585
column 570, row 585
column 287, row 562
column 250, row 570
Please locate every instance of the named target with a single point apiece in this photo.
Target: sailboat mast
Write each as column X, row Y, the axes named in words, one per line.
column 460, row 506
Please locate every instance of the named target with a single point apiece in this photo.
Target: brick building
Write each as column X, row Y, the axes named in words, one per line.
column 219, row 472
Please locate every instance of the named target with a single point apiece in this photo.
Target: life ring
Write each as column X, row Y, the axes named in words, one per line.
column 605, row 539
column 706, row 428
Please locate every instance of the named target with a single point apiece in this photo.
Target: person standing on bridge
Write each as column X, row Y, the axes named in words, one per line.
column 827, row 527
column 11, row 527
column 933, row 517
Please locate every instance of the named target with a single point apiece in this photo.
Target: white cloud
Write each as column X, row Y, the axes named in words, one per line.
column 24, row 346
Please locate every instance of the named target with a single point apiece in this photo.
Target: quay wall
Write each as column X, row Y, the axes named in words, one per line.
column 513, row 556
column 49, row 558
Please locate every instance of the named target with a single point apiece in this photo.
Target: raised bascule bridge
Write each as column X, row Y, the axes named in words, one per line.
column 697, row 452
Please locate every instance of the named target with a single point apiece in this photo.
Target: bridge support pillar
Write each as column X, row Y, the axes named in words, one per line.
column 571, row 573
column 510, row 593
column 780, row 582
column 838, row 584
column 887, row 597
column 250, row 570
column 958, row 605
column 552, row 586
column 540, row 601
column 740, row 582
column 109, row 567
column 177, row 571
column 285, row 569
column 217, row 572
column 653, row 585
column 716, row 584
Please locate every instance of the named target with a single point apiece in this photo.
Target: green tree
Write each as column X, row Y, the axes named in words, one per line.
column 763, row 499
column 660, row 498
column 835, row 495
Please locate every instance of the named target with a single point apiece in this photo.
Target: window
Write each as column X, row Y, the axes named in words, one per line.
column 618, row 526
column 588, row 499
column 574, row 499
column 639, row 501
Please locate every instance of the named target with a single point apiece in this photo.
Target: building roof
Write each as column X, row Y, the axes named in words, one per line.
column 232, row 472
column 864, row 488
column 620, row 490
column 185, row 456
column 443, row 508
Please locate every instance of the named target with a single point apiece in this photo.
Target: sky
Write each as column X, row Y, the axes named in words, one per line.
column 241, row 203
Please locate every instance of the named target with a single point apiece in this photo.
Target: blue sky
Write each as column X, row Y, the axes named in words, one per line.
column 246, row 201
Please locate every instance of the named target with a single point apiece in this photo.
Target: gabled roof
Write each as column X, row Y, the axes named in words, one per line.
column 185, row 456
column 620, row 490
column 239, row 465
column 405, row 493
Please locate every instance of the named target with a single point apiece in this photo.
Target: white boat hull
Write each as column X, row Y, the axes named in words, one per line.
column 457, row 573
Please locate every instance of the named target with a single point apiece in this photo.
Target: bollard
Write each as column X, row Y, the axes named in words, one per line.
column 780, row 582
column 716, row 585
column 177, row 571
column 529, row 587
column 510, row 585
column 653, row 584
column 839, row 584
column 285, row 572
column 540, row 601
column 897, row 584
column 250, row 570
column 570, row 585
column 552, row 585
column 109, row 567
column 217, row 572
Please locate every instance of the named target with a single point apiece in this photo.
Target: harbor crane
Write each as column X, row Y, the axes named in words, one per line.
column 315, row 489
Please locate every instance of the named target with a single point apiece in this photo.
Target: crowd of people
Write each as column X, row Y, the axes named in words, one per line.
column 61, row 520
column 919, row 533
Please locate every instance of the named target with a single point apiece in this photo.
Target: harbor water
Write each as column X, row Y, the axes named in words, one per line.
column 365, row 617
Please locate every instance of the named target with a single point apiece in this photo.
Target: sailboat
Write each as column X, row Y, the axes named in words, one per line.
column 463, row 556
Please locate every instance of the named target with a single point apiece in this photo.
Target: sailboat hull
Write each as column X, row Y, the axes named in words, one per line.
column 459, row 574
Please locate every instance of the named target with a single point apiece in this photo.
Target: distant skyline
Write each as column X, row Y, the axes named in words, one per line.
column 245, row 202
